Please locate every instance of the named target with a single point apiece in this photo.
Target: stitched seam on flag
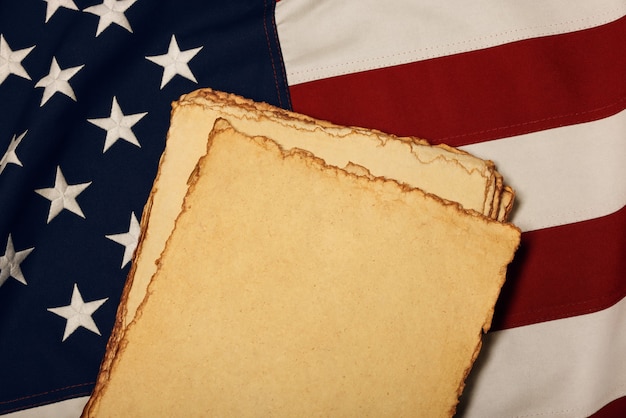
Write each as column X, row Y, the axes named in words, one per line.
column 458, row 50
column 589, row 212
column 269, row 47
column 35, row 405
column 618, row 392
column 47, row 393
column 280, row 58
column 535, row 121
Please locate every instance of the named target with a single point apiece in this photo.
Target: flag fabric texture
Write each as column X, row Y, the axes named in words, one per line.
column 537, row 87
column 85, row 98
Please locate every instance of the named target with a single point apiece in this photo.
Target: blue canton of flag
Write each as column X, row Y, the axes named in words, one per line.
column 85, row 94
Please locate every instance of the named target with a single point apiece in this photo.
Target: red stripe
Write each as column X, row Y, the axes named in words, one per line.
column 616, row 409
column 471, row 97
column 565, row 271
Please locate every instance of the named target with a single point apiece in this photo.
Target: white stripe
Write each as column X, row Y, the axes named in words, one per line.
column 71, row 408
column 565, row 368
column 324, row 38
column 563, row 175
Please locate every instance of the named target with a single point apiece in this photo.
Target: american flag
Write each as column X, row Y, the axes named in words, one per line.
column 540, row 88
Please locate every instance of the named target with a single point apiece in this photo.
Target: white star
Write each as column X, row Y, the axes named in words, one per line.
column 128, row 239
column 53, row 5
column 118, row 126
column 175, row 62
column 63, row 196
column 57, row 80
column 10, row 263
column 78, row 313
column 11, row 61
column 111, row 11
column 10, row 156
